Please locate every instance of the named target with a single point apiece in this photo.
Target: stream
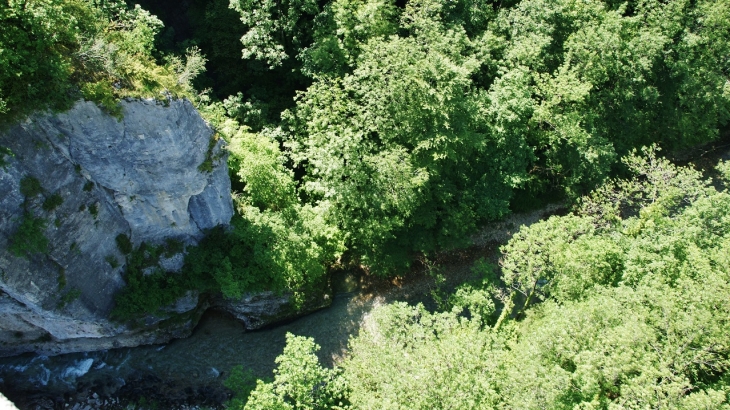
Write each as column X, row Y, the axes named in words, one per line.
column 189, row 373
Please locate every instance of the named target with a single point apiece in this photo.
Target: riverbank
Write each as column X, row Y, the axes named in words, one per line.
column 189, row 373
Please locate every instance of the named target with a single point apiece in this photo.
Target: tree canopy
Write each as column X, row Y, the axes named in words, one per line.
column 53, row 52
column 423, row 120
column 374, row 131
column 622, row 304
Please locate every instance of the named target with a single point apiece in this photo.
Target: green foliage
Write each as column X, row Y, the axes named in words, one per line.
column 4, row 153
column 94, row 210
column 400, row 149
column 263, row 250
column 602, row 80
column 634, row 312
column 36, row 65
column 207, row 164
column 342, row 30
column 255, row 94
column 242, row 383
column 29, row 238
column 57, row 51
column 299, row 242
column 148, row 288
column 61, row 279
column 274, row 28
column 30, row 187
column 476, row 297
column 227, row 261
column 124, row 244
column 300, row 382
column 422, row 120
column 173, row 247
column 258, row 164
column 112, row 261
column 52, row 202
column 406, row 357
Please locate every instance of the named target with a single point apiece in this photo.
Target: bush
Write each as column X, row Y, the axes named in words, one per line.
column 112, row 261
column 124, row 244
column 69, row 297
column 30, row 187
column 52, row 202
column 242, row 383
column 94, row 210
column 29, row 238
column 300, row 381
column 56, row 51
column 146, row 293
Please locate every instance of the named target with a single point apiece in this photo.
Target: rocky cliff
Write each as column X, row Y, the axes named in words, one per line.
column 74, row 185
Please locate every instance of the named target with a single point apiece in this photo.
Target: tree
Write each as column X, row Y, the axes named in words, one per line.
column 55, row 52
column 408, row 358
column 634, row 312
column 401, row 148
column 606, row 78
column 38, row 40
column 276, row 29
column 300, row 382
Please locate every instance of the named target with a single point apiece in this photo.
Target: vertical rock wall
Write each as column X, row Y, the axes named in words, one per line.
column 139, row 177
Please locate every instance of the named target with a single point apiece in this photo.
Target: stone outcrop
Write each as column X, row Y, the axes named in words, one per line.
column 258, row 310
column 100, row 178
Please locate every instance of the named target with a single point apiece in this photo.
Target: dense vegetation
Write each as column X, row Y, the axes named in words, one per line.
column 424, row 120
column 55, row 52
column 373, row 131
column 624, row 303
column 405, row 125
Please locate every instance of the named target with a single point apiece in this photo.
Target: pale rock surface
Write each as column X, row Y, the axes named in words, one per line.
column 6, row 404
column 138, row 177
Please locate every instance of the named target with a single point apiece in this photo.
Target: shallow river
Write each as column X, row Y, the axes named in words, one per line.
column 185, row 371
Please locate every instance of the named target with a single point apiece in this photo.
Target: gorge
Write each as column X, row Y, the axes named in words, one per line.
column 136, row 179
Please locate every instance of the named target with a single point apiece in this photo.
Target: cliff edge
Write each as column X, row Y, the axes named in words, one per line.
column 78, row 185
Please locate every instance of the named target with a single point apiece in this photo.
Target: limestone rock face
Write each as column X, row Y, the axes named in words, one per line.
column 258, row 310
column 139, row 177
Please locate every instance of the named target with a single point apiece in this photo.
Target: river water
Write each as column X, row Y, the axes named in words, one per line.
column 189, row 373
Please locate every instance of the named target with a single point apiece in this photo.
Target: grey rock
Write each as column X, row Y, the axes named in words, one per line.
column 212, row 207
column 257, row 310
column 188, row 302
column 6, row 404
column 173, row 263
column 138, row 177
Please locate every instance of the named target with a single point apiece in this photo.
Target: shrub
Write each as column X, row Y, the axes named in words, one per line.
column 94, row 210
column 112, row 261
column 29, row 238
column 69, row 297
column 242, row 382
column 124, row 244
column 30, row 187
column 4, row 152
column 173, row 247
column 52, row 202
